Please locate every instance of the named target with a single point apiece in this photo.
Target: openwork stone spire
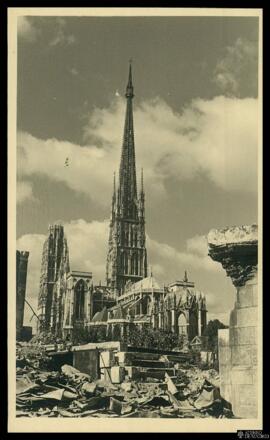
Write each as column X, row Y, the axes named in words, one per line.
column 127, row 257
column 127, row 171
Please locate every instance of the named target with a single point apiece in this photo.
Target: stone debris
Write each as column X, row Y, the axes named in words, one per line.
column 190, row 393
column 89, row 389
column 169, row 387
column 74, row 374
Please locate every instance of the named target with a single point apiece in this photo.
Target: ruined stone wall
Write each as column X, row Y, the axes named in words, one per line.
column 236, row 249
column 21, row 277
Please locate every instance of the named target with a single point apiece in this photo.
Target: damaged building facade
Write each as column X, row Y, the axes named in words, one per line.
column 69, row 299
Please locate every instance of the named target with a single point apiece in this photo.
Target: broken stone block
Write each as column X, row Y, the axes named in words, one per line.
column 73, row 373
column 107, row 345
column 117, row 374
column 25, row 384
column 87, row 361
column 158, row 401
column 126, row 386
column 132, row 372
column 124, row 358
column 93, row 403
column 170, row 385
column 106, row 359
column 105, row 374
column 89, row 389
column 120, row 407
column 208, row 396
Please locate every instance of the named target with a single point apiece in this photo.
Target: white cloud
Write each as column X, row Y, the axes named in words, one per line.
column 216, row 138
column 24, row 191
column 87, row 244
column 237, row 72
column 74, row 71
column 25, row 29
column 171, row 263
column 61, row 36
column 198, row 245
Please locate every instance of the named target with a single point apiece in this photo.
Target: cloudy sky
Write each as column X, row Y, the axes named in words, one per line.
column 195, row 116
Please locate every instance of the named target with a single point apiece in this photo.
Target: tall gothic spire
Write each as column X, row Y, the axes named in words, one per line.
column 127, row 171
column 127, row 255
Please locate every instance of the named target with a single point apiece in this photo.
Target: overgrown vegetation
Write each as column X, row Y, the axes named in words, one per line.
column 211, row 334
column 150, row 338
column 90, row 334
column 146, row 337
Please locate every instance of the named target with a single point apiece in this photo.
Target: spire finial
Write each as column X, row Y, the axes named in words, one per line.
column 129, row 91
column 185, row 277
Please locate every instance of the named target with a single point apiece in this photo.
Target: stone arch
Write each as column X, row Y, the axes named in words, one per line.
column 182, row 324
column 79, row 299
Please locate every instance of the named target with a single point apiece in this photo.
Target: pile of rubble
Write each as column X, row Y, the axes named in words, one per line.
column 190, row 393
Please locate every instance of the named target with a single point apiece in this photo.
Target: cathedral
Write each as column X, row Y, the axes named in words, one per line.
column 69, row 299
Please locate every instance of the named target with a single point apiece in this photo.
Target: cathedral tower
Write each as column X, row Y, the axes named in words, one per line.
column 55, row 262
column 127, row 256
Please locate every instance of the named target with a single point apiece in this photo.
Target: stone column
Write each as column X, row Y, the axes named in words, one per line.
column 173, row 321
column 236, row 249
column 160, row 326
column 199, row 322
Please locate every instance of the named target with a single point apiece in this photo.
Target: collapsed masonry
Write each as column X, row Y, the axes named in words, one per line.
column 113, row 380
column 236, row 249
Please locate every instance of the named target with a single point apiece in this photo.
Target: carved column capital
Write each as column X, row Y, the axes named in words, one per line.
column 236, row 248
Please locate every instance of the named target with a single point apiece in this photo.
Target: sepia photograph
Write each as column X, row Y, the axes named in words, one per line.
column 134, row 181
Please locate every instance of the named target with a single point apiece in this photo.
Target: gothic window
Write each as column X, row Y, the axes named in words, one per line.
column 144, row 305
column 79, row 293
column 182, row 324
column 126, row 262
column 136, row 264
column 193, row 324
